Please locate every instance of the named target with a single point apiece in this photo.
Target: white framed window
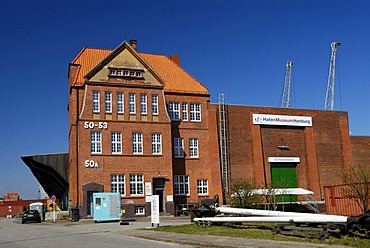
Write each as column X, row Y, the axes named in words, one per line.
column 108, row 102
column 193, row 148
column 139, row 210
column 138, row 74
column 174, row 111
column 202, row 187
column 178, row 145
column 155, row 104
column 137, row 143
column 96, row 101
column 156, row 143
column 116, row 142
column 95, row 142
column 119, row 72
column 136, row 184
column 132, row 73
column 132, row 104
column 184, row 108
column 117, row 183
column 195, row 112
column 143, row 104
column 181, row 185
column 120, row 101
column 112, row 72
column 125, row 72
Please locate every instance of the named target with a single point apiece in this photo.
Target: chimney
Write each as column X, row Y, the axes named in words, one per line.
column 175, row 58
column 133, row 44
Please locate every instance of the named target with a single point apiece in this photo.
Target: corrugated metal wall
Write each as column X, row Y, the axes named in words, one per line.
column 336, row 202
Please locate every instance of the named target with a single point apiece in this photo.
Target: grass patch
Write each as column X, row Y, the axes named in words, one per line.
column 248, row 231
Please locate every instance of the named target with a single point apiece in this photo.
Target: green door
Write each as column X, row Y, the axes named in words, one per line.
column 284, row 175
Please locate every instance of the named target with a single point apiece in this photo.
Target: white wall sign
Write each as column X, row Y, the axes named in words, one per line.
column 284, row 159
column 148, row 188
column 170, row 198
column 282, row 120
column 155, row 210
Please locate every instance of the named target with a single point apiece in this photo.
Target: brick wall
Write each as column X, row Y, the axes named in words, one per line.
column 150, row 166
column 322, row 148
column 360, row 150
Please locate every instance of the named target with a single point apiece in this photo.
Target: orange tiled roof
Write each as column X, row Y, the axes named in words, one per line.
column 176, row 79
column 88, row 58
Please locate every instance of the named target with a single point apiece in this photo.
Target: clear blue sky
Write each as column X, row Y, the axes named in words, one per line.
column 236, row 47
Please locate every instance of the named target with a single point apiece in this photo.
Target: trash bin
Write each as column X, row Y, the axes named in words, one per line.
column 75, row 214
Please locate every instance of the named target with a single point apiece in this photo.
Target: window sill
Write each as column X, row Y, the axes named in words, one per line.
column 133, row 196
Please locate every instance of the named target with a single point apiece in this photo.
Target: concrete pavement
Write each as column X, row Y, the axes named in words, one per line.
column 141, row 228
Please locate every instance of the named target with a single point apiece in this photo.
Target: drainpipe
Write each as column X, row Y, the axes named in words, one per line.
column 77, row 119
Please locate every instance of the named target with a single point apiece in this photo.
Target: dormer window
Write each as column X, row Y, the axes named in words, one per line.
column 126, row 73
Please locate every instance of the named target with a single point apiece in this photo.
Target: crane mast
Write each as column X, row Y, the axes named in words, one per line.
column 329, row 99
column 285, row 102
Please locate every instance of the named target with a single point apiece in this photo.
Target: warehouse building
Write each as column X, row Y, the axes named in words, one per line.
column 141, row 125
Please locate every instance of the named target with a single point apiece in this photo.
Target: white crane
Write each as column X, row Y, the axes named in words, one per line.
column 329, row 99
column 285, row 100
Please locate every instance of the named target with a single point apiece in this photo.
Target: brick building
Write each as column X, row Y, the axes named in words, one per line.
column 141, row 125
column 309, row 147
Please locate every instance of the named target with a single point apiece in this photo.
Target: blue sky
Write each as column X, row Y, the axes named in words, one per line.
column 239, row 48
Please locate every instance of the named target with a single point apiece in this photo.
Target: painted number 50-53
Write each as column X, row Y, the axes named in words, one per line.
column 91, row 164
column 91, row 125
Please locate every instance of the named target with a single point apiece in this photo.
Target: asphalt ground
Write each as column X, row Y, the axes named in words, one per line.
column 142, row 228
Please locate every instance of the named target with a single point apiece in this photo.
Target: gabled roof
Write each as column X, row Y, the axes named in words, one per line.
column 87, row 59
column 176, row 79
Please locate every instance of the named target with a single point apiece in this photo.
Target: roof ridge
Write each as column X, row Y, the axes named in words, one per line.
column 159, row 54
column 186, row 72
column 108, row 49
column 78, row 55
column 86, row 48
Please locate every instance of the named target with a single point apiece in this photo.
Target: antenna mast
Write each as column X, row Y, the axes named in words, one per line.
column 329, row 99
column 285, row 102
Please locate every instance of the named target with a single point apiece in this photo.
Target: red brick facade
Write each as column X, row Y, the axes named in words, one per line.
column 360, row 150
column 91, row 171
column 323, row 149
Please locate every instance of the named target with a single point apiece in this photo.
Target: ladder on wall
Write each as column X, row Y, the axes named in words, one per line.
column 223, row 140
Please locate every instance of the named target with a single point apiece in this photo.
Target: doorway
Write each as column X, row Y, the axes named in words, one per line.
column 158, row 185
column 160, row 193
column 90, row 202
column 284, row 175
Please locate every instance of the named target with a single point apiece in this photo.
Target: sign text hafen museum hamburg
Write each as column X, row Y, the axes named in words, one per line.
column 282, row 120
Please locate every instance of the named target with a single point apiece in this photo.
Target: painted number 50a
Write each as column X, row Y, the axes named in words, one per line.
column 91, row 164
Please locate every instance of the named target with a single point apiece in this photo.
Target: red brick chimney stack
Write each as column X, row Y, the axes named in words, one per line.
column 133, row 44
column 175, row 58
